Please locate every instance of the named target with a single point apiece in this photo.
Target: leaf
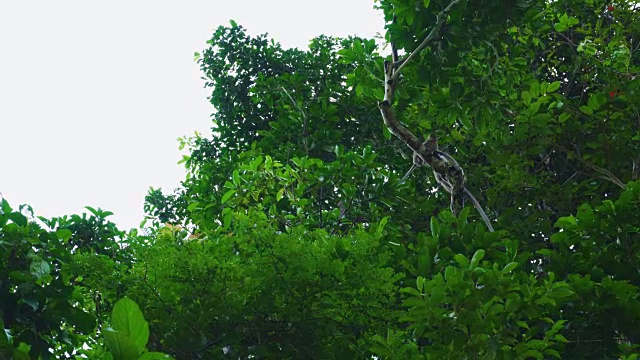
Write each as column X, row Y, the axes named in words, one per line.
column 560, row 290
column 426, row 3
column 193, row 206
column 564, row 117
column 420, row 281
column 357, row 48
column 553, row 353
column 128, row 324
column 461, row 260
column 236, row 177
column 509, row 267
column 18, row 218
column 533, row 108
column 450, row 273
column 435, row 227
column 39, row 268
column 553, row 86
column 559, row 27
column 121, row 346
column 560, row 338
column 536, row 344
column 531, row 354
column 573, row 21
column 22, row 352
column 227, row 217
column 522, row 324
column 558, row 325
column 587, row 110
column 410, row 291
column 227, row 196
column 566, row 222
column 386, row 133
column 479, row 254
column 534, row 89
column 155, row 356
column 64, row 234
column 462, row 218
column 465, row 122
column 541, row 120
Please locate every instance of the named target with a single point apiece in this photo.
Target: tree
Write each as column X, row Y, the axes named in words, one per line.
column 293, row 235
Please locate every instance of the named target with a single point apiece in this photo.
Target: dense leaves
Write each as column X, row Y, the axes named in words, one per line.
column 38, row 303
column 293, row 237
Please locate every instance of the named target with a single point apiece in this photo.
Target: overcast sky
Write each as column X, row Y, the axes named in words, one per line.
column 94, row 94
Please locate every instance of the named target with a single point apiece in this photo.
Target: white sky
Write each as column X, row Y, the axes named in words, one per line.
column 94, row 94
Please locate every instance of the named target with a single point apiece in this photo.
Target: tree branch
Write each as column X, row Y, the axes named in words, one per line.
column 445, row 168
column 400, row 64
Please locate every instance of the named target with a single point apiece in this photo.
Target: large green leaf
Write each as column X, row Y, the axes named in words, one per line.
column 129, row 331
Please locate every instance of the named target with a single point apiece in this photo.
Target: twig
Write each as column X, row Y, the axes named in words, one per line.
column 604, row 173
column 432, row 34
column 304, row 119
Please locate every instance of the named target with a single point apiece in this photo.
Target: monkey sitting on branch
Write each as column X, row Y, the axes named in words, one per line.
column 446, row 169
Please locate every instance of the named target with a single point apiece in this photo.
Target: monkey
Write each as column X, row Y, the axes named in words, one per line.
column 452, row 182
column 432, row 146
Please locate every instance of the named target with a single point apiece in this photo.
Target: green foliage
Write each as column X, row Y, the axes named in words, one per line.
column 254, row 291
column 291, row 236
column 39, row 306
column 128, row 334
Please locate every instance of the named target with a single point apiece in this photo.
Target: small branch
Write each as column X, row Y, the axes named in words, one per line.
column 604, row 173
column 399, row 65
column 304, row 119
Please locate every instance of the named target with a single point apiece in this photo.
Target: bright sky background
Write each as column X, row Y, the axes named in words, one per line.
column 94, row 94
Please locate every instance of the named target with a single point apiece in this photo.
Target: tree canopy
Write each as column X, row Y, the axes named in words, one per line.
column 296, row 235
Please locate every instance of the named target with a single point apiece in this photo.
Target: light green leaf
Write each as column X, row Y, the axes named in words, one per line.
column 564, row 117
column 64, row 234
column 420, row 281
column 479, row 254
column 522, row 324
column 122, row 347
column 227, row 217
column 155, row 356
column 39, row 268
column 435, row 227
column 129, row 326
column 553, row 86
column 461, row 260
column 236, row 177
column 227, row 196
column 560, row 27
column 509, row 267
column 465, row 122
column 587, row 110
